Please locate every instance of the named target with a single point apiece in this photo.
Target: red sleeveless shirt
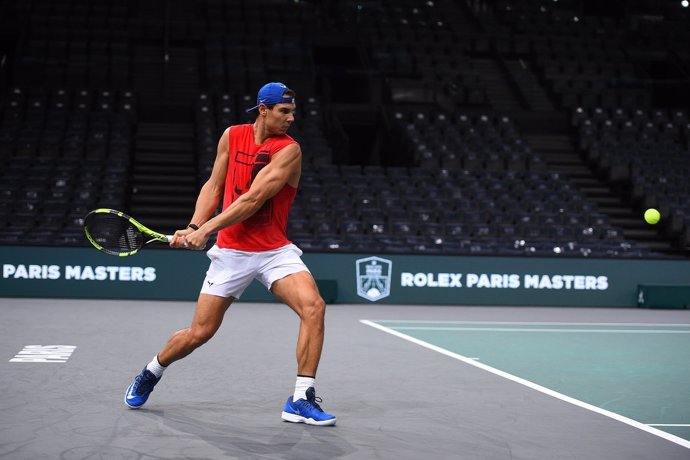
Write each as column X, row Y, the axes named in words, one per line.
column 267, row 228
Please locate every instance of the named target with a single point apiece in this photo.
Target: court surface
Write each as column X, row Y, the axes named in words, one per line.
column 406, row 382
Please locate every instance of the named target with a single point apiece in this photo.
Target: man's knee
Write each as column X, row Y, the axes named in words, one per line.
column 198, row 337
column 314, row 309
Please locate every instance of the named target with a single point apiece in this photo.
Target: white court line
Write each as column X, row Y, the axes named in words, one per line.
column 532, row 323
column 670, row 424
column 532, row 385
column 506, row 329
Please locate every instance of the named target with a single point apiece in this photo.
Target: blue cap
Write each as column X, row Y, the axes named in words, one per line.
column 272, row 93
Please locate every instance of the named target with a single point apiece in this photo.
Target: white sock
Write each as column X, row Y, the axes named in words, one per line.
column 155, row 367
column 301, row 386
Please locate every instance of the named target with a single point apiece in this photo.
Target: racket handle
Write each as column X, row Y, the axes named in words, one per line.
column 170, row 237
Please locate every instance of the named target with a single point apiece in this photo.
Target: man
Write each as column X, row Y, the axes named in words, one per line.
column 256, row 171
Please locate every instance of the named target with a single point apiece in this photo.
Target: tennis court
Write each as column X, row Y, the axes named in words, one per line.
column 639, row 371
column 423, row 382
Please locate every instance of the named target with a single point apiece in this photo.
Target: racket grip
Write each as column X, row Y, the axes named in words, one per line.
column 170, row 237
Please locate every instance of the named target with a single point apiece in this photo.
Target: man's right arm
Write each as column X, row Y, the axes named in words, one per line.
column 211, row 192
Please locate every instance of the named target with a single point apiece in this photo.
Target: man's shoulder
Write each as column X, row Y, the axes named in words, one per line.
column 238, row 133
column 282, row 141
column 238, row 128
column 289, row 139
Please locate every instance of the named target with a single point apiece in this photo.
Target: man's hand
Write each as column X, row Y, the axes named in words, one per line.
column 189, row 239
column 196, row 239
column 179, row 239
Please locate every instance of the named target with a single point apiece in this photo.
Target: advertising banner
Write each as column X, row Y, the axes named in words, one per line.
column 358, row 278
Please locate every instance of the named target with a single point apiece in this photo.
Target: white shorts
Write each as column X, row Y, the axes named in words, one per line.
column 231, row 271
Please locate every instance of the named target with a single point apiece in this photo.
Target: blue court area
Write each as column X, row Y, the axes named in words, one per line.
column 640, row 372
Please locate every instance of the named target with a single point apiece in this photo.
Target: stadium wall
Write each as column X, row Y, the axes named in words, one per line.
column 348, row 278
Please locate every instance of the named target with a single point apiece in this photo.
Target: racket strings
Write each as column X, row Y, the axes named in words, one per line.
column 114, row 233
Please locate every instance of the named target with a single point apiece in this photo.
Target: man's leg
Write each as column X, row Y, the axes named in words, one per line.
column 299, row 291
column 207, row 319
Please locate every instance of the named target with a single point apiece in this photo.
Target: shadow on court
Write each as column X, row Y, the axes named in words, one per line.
column 221, row 426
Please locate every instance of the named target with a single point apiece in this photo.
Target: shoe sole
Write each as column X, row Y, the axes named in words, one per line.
column 132, row 407
column 294, row 418
column 127, row 402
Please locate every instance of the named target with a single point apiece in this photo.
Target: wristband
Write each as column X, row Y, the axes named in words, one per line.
column 193, row 226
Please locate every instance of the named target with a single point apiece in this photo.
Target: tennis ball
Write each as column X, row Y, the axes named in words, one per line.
column 652, row 216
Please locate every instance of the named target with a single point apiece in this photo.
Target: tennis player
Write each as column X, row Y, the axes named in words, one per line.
column 256, row 172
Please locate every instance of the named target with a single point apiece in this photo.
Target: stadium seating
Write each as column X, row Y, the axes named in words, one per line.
column 456, row 92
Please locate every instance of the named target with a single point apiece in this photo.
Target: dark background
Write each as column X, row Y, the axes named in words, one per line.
column 457, row 127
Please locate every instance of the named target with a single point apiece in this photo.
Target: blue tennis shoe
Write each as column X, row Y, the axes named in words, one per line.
column 139, row 391
column 307, row 411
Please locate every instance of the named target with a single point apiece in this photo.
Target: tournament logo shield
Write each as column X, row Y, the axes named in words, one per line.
column 374, row 278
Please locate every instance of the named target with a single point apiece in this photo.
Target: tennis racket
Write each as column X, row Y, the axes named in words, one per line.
column 117, row 234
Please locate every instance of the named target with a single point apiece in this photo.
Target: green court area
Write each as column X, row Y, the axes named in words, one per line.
column 639, row 371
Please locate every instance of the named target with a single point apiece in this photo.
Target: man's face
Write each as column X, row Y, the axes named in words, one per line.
column 279, row 118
